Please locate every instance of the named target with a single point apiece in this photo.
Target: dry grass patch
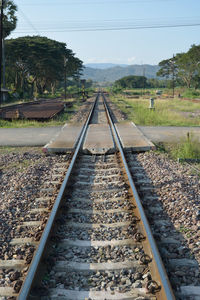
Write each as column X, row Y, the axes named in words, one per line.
column 168, row 112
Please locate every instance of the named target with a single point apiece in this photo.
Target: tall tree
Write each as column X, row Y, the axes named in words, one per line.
column 168, row 68
column 194, row 54
column 39, row 62
column 186, row 67
column 9, row 17
column 9, row 24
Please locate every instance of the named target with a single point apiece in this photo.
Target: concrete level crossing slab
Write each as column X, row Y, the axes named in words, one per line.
column 65, row 140
column 27, row 137
column 170, row 134
column 132, row 138
column 99, row 140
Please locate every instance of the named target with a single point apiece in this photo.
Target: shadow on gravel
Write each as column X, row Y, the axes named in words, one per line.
column 179, row 260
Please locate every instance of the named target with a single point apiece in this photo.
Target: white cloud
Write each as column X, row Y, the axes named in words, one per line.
column 130, row 60
column 91, row 60
column 114, row 60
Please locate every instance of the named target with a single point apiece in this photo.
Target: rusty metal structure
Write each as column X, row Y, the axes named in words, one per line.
column 38, row 110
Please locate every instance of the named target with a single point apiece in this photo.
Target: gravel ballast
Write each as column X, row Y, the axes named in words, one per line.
column 23, row 173
column 172, row 205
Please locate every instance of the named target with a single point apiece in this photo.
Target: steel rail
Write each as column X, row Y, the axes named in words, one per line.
column 166, row 290
column 26, row 287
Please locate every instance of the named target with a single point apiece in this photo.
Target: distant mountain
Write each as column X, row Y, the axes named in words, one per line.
column 104, row 66
column 114, row 73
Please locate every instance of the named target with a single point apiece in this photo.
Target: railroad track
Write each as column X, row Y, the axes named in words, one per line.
column 97, row 243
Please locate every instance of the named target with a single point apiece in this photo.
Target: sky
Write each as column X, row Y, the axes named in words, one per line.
column 114, row 31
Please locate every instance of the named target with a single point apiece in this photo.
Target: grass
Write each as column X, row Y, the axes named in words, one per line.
column 56, row 121
column 167, row 92
column 187, row 149
column 168, row 112
column 186, row 231
column 191, row 93
column 8, row 149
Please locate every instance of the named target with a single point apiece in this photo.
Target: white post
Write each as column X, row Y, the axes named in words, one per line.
column 151, row 105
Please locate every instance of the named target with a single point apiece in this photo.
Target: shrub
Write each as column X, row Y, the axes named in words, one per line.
column 188, row 148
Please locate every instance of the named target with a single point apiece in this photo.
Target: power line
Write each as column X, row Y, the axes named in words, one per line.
column 116, row 28
column 133, row 22
column 28, row 21
column 92, row 2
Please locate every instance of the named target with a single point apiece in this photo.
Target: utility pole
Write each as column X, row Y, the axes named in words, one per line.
column 144, row 79
column 65, row 75
column 3, row 63
column 173, row 75
column 1, row 38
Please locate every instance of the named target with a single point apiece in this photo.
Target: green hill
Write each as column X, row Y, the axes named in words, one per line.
column 117, row 72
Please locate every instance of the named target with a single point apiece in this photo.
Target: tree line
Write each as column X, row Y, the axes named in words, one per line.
column 35, row 64
column 184, row 68
column 133, row 81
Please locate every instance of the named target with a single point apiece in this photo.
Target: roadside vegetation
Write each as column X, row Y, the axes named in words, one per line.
column 8, row 149
column 167, row 112
column 187, row 150
column 181, row 110
column 164, row 93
